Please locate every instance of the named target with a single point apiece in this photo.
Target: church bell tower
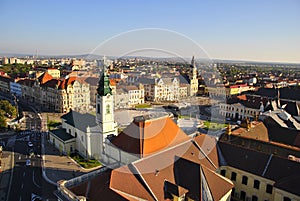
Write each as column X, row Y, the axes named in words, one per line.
column 105, row 111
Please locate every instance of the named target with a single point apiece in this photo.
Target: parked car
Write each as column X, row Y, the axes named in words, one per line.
column 30, row 144
column 28, row 162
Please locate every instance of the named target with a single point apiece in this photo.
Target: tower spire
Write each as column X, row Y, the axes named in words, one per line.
column 193, row 63
column 104, row 85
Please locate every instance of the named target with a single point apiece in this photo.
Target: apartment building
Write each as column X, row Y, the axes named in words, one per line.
column 270, row 177
column 160, row 89
column 5, row 84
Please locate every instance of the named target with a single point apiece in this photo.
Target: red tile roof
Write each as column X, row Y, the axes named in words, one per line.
column 99, row 189
column 45, row 77
column 242, row 97
column 112, row 82
column 69, row 81
column 215, row 181
column 149, row 136
column 258, row 131
column 125, row 182
column 181, row 165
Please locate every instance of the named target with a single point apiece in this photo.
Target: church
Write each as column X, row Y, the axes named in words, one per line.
column 97, row 136
column 86, row 133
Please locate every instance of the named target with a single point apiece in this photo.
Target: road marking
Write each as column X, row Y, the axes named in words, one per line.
column 24, row 174
column 22, row 186
column 34, row 180
column 20, row 199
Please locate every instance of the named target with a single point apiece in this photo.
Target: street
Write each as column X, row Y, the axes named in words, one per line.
column 27, row 181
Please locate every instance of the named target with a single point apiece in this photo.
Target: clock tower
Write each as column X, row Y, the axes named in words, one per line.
column 105, row 111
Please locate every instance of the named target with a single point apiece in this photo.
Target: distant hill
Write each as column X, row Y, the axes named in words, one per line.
column 171, row 59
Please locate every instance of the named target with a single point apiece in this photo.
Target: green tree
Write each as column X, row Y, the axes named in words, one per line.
column 8, row 109
column 2, row 121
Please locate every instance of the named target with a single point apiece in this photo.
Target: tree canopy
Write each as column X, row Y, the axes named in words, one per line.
column 6, row 110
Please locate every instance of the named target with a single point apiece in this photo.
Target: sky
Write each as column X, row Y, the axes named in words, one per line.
column 257, row 30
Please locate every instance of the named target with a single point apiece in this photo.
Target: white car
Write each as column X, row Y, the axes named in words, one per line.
column 30, row 144
column 28, row 163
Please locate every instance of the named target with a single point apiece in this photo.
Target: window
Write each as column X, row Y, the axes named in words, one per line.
column 69, row 131
column 232, row 192
column 233, row 176
column 75, row 134
column 98, row 108
column 223, row 172
column 245, row 180
column 82, row 138
column 254, row 198
column 243, row 195
column 256, row 184
column 269, row 188
column 286, row 199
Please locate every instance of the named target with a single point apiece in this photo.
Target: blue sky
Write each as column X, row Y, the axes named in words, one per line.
column 263, row 30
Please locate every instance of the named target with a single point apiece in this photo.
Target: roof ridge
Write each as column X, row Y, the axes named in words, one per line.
column 206, row 156
column 143, row 180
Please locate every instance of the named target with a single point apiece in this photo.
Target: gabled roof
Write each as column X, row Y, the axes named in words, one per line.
column 80, row 121
column 280, row 170
column 242, row 159
column 69, row 81
column 144, row 137
column 291, row 93
column 125, row 180
column 258, row 132
column 184, row 166
column 292, row 108
column 98, row 188
column 62, row 134
column 184, row 79
column 51, row 83
column 145, row 80
column 215, row 181
column 45, row 77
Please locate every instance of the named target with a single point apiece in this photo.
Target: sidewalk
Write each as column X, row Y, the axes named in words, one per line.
column 5, row 174
column 57, row 167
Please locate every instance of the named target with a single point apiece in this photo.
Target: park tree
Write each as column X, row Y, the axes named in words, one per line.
column 2, row 122
column 7, row 108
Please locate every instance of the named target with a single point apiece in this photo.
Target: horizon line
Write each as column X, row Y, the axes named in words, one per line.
column 87, row 54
